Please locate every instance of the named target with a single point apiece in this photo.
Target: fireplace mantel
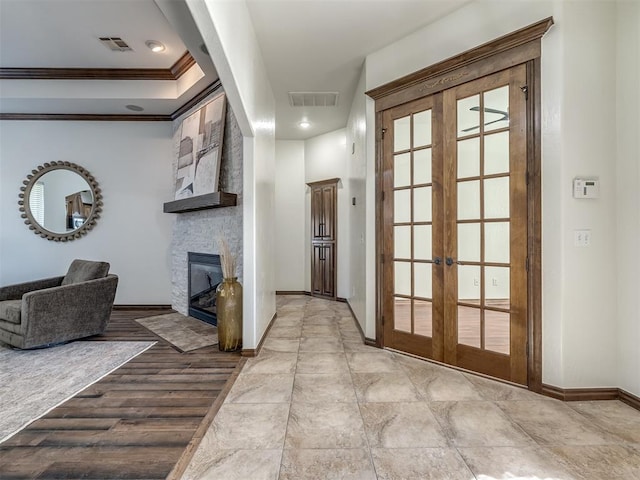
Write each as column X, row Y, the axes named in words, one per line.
column 202, row 202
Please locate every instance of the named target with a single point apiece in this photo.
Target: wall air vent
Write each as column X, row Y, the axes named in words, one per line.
column 115, row 44
column 313, row 99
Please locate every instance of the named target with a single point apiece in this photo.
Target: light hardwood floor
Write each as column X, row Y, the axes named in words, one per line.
column 496, row 329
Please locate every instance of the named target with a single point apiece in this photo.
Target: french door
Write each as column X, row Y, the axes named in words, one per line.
column 454, row 239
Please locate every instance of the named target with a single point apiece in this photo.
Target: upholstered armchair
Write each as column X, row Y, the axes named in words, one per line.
column 56, row 310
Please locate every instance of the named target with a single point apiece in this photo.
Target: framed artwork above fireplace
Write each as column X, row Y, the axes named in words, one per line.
column 200, row 151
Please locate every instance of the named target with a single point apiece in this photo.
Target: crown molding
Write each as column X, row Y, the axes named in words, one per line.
column 197, row 99
column 173, row 73
column 184, row 63
column 85, row 117
column 512, row 40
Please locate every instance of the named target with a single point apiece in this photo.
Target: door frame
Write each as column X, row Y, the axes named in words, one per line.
column 520, row 47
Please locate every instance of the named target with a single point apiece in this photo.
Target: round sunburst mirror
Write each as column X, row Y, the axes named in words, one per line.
column 60, row 201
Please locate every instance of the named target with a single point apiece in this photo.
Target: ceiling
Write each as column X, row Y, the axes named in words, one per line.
column 307, row 45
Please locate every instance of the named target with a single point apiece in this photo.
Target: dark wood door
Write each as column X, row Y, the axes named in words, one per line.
column 323, row 238
column 455, row 226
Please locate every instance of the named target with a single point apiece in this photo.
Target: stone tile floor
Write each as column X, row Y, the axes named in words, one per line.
column 318, row 404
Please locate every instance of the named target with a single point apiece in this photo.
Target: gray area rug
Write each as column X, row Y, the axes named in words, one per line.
column 185, row 333
column 33, row 382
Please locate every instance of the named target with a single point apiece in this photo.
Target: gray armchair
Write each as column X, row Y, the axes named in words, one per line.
column 56, row 310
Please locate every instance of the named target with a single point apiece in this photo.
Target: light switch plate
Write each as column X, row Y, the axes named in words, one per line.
column 582, row 238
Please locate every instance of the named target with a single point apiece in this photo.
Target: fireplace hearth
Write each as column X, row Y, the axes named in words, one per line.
column 205, row 273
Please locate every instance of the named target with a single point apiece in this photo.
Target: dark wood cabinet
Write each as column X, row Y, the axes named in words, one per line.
column 323, row 269
column 323, row 213
column 323, row 237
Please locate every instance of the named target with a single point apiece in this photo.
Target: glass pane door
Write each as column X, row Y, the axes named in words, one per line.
column 485, row 271
column 410, row 184
column 482, row 144
column 454, row 226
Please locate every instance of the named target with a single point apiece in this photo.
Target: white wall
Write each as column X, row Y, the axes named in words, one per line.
column 589, row 293
column 132, row 163
column 325, row 158
column 291, row 237
column 580, row 337
column 228, row 33
column 628, row 201
column 360, row 272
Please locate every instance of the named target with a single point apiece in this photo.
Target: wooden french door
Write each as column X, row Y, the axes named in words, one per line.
column 454, row 237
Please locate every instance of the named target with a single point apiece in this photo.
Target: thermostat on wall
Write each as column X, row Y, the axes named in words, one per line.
column 586, row 188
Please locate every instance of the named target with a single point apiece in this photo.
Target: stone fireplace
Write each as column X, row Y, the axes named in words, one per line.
column 198, row 231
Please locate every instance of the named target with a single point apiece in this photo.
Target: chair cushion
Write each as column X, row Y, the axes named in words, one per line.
column 10, row 311
column 83, row 270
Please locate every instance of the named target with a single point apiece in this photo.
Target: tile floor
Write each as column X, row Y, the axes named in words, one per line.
column 318, row 404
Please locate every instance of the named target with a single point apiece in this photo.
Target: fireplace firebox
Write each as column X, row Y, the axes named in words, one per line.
column 205, row 273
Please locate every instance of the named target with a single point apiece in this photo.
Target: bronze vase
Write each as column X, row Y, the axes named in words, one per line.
column 229, row 313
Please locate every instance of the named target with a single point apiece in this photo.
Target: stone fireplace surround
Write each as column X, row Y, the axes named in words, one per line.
column 199, row 231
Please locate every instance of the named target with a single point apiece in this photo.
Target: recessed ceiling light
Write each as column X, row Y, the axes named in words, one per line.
column 155, row 46
column 304, row 124
column 134, row 108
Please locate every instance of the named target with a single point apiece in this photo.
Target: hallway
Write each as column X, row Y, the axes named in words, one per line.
column 318, row 404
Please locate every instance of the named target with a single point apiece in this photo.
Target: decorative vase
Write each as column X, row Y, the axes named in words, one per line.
column 229, row 313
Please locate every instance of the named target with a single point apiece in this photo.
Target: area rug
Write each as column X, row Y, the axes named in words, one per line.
column 185, row 333
column 33, row 382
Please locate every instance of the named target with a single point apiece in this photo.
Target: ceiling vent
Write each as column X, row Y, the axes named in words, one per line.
column 115, row 44
column 313, row 99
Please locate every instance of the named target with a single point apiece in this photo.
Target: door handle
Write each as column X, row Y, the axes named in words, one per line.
column 450, row 261
column 437, row 261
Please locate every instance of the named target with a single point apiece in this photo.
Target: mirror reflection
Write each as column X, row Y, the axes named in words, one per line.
column 60, row 201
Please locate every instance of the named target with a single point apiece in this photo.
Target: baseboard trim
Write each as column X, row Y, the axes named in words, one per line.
column 590, row 394
column 629, row 398
column 371, row 342
column 253, row 352
column 353, row 315
column 141, row 307
column 367, row 341
column 579, row 394
column 344, row 300
column 293, row 292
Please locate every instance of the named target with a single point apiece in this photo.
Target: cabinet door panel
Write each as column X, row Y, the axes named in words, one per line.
column 328, row 212
column 328, row 287
column 317, row 270
column 316, row 214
